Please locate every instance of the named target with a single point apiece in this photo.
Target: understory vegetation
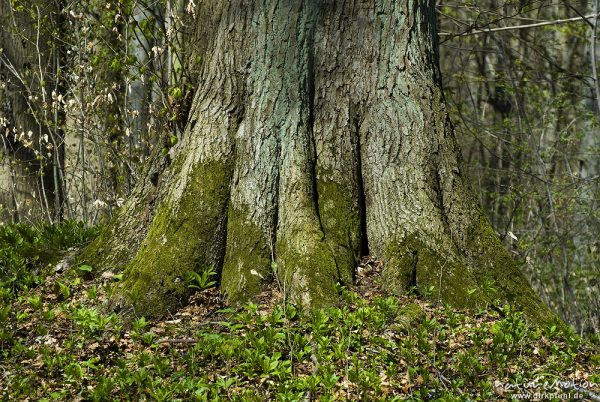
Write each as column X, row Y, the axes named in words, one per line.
column 57, row 343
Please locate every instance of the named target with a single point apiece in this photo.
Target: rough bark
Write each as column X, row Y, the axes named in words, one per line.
column 318, row 134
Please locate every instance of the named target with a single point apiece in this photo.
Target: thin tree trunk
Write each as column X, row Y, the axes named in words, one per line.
column 25, row 65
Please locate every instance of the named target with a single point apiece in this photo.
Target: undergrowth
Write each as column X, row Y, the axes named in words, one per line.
column 27, row 251
column 56, row 343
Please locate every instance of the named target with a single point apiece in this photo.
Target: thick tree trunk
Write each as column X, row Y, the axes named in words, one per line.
column 318, row 134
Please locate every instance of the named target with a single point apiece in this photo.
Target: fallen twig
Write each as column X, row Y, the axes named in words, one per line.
column 184, row 340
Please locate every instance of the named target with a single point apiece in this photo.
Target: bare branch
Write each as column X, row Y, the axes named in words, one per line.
column 524, row 26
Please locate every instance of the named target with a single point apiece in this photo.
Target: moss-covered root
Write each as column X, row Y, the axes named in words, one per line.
column 307, row 269
column 184, row 236
column 101, row 253
column 247, row 259
column 444, row 278
column 120, row 239
column 494, row 267
column 340, row 219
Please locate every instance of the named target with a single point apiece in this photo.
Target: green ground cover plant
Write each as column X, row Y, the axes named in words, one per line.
column 27, row 252
column 58, row 343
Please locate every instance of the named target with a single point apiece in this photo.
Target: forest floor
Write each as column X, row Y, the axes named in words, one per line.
column 56, row 344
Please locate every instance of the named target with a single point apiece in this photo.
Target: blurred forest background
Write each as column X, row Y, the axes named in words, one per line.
column 93, row 93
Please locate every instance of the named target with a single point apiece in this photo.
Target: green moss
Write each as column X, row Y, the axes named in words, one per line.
column 94, row 251
column 247, row 259
column 98, row 253
column 493, row 264
column 485, row 273
column 340, row 218
column 407, row 317
column 189, row 239
column 411, row 262
column 307, row 268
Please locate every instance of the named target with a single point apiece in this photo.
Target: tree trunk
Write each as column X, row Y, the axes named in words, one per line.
column 319, row 133
column 31, row 140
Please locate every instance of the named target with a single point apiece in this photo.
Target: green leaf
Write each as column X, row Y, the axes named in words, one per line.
column 85, row 268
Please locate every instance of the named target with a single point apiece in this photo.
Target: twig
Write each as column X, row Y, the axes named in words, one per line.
column 206, row 323
column 524, row 26
column 589, row 394
column 593, row 56
column 184, row 340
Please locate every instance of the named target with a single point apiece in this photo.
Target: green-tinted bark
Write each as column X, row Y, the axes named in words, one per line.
column 307, row 269
column 493, row 265
column 247, row 259
column 97, row 254
column 446, row 278
column 291, row 186
column 182, row 238
column 340, row 219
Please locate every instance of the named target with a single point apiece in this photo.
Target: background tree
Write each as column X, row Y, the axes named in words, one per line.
column 127, row 95
column 115, row 88
column 31, row 153
column 524, row 97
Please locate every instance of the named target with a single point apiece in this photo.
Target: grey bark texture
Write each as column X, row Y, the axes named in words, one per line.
column 319, row 133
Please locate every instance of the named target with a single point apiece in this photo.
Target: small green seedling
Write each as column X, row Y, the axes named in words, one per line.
column 201, row 281
column 86, row 271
